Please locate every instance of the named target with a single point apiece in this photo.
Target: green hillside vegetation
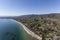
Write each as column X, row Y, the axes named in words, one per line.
column 43, row 25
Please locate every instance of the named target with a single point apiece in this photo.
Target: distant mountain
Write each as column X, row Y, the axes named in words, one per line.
column 52, row 15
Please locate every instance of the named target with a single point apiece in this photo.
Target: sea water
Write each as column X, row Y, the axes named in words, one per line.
column 10, row 30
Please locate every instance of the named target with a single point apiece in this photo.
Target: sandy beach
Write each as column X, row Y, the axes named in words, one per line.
column 29, row 31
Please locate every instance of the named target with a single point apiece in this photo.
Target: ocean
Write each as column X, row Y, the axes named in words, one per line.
column 10, row 30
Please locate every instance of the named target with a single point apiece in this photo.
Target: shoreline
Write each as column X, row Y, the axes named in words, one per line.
column 28, row 31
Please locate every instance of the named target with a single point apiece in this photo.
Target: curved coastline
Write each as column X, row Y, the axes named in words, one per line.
column 28, row 31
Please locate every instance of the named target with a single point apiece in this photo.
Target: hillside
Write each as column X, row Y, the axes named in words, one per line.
column 47, row 24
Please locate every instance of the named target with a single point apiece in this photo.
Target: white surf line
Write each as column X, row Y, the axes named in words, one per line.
column 28, row 31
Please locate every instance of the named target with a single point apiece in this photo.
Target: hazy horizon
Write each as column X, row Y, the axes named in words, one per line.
column 26, row 7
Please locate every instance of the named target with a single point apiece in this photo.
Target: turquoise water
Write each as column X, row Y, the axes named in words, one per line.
column 10, row 30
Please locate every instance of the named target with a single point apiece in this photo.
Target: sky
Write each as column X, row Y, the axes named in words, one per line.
column 25, row 7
